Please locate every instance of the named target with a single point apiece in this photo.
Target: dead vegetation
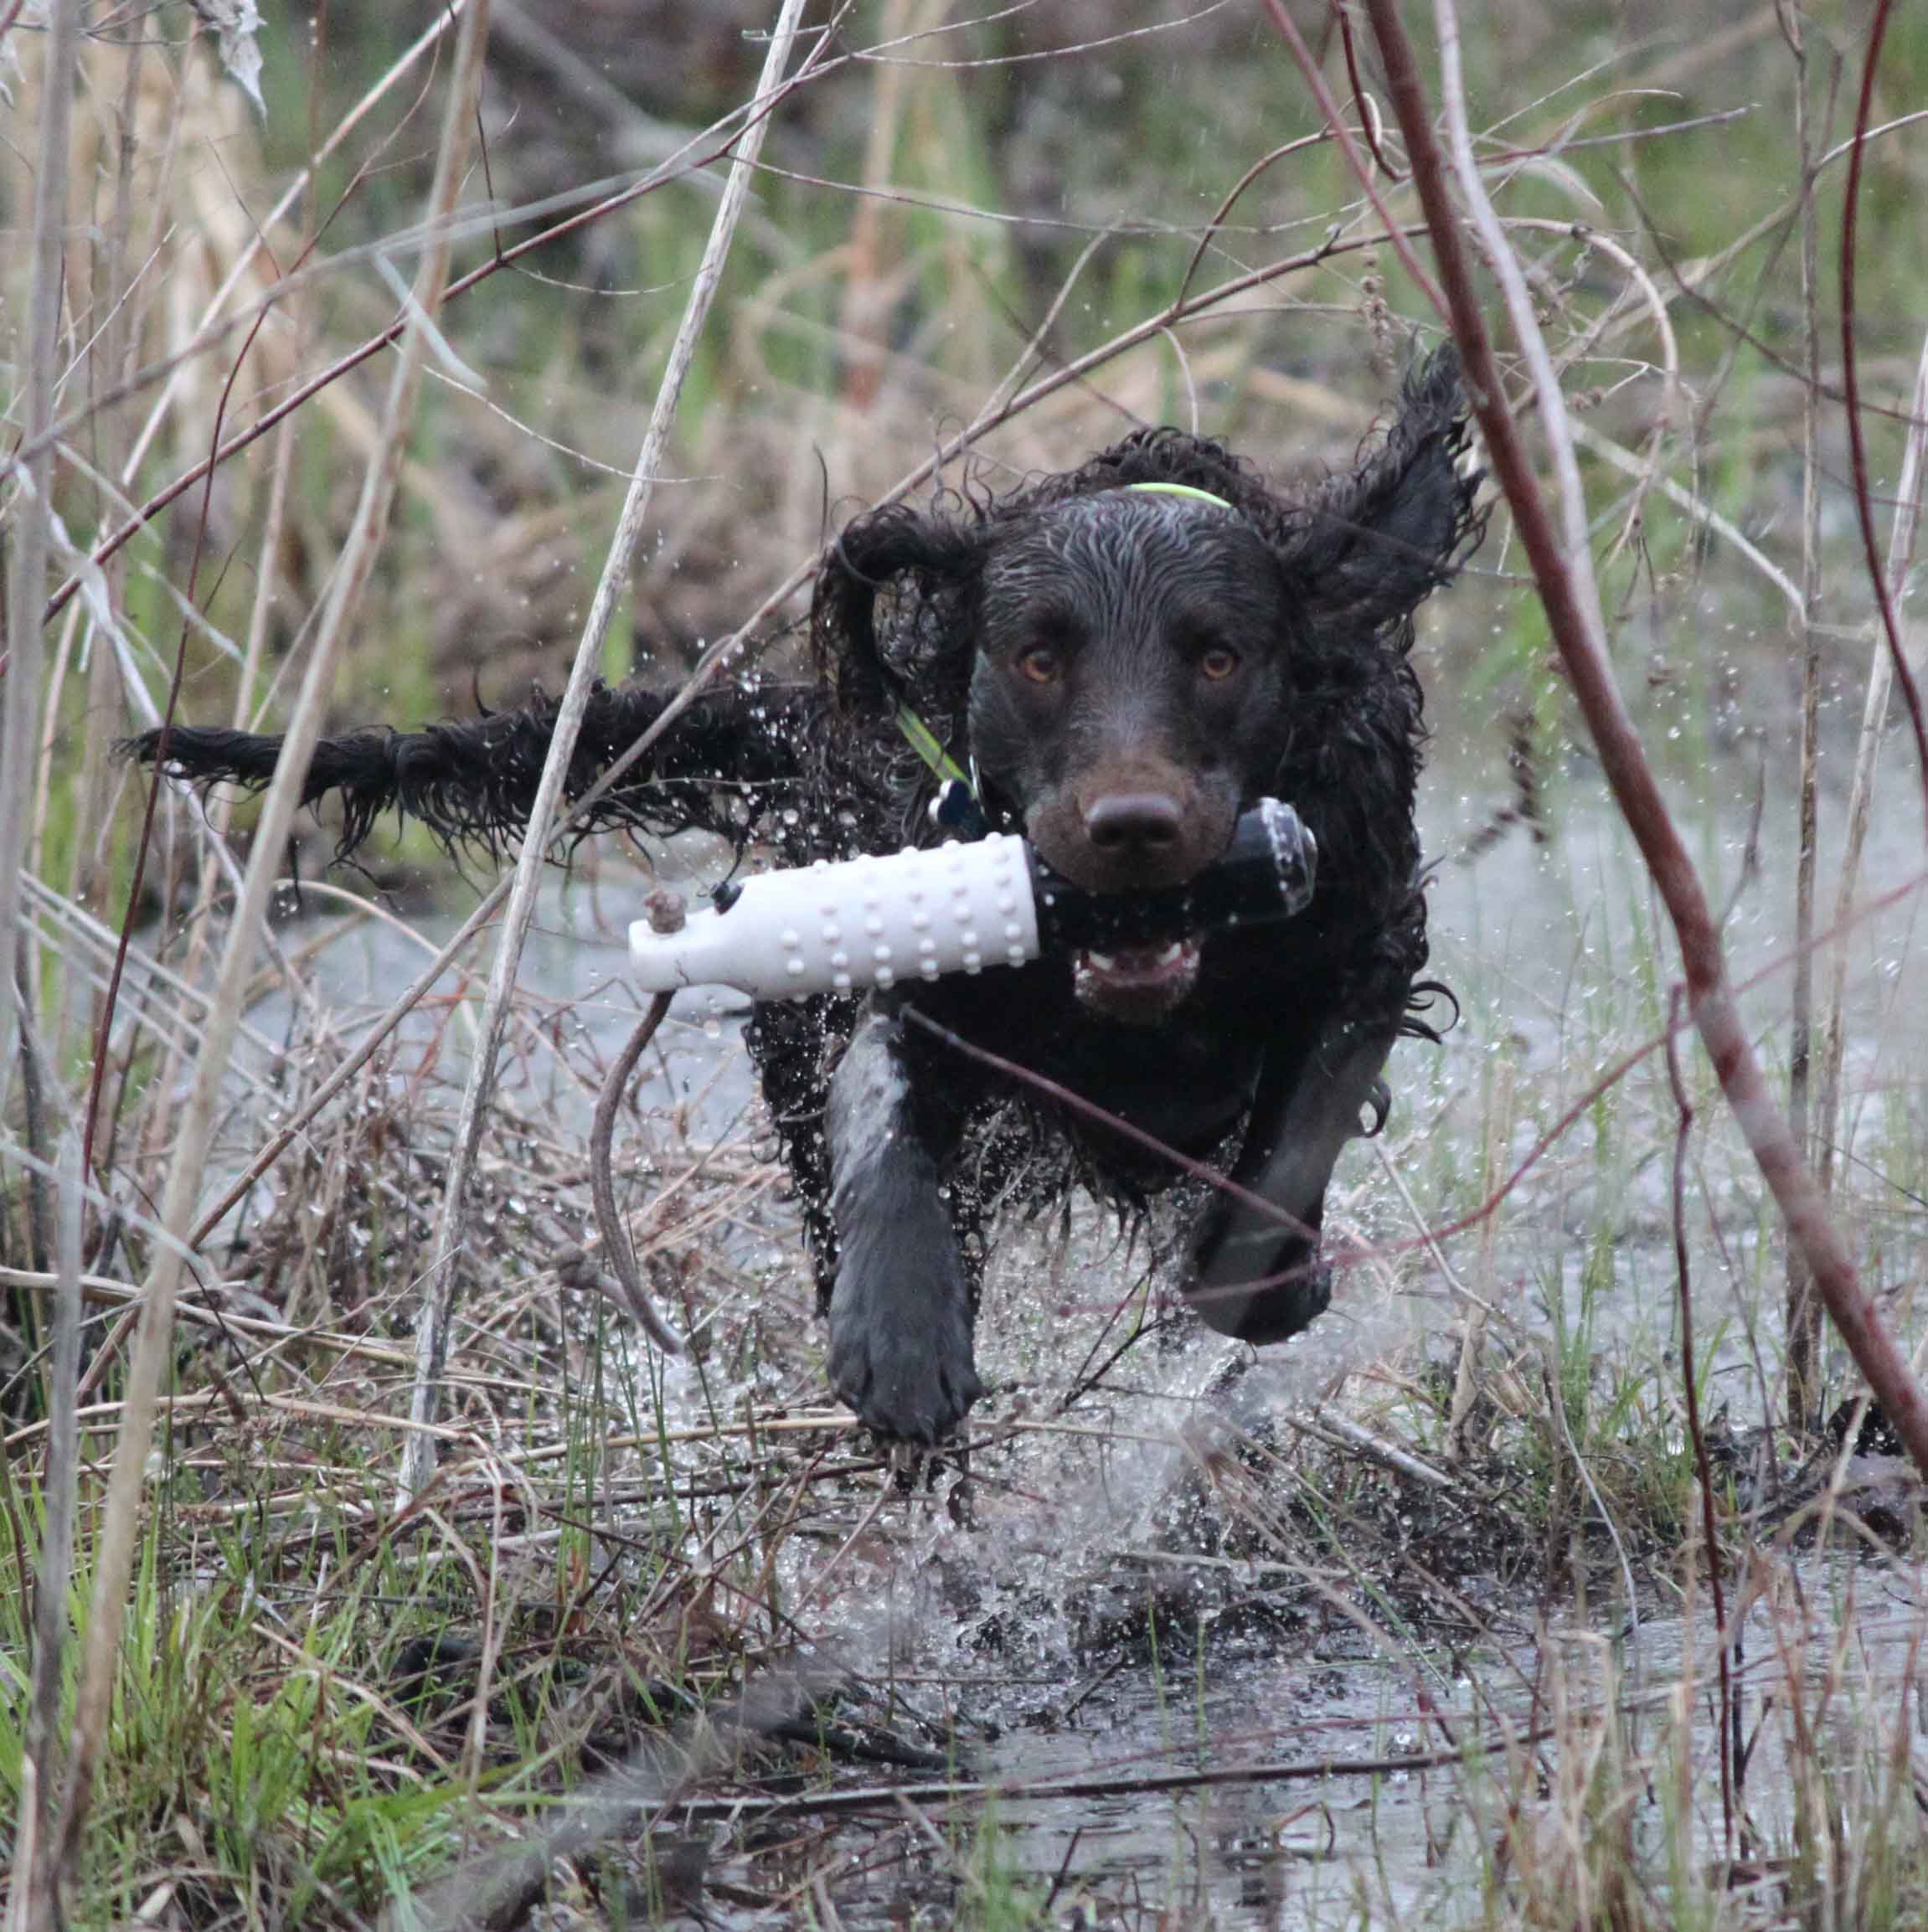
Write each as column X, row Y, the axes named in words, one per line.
column 1459, row 1612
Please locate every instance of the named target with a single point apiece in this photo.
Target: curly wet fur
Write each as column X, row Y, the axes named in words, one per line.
column 821, row 770
column 731, row 764
column 1360, row 575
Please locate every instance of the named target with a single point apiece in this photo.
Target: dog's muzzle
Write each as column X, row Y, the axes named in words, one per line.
column 1135, row 956
column 1139, row 985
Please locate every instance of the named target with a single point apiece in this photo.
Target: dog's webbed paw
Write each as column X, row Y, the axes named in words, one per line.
column 903, row 1360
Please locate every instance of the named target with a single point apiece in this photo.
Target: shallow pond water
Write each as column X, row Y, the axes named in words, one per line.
column 1130, row 1601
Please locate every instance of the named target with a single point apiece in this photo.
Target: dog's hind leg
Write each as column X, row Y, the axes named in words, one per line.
column 901, row 1307
column 1257, row 1276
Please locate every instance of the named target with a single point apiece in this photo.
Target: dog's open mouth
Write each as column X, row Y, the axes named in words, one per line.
column 1137, row 983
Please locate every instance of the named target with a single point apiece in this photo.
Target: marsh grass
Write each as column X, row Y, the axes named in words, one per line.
column 1462, row 1517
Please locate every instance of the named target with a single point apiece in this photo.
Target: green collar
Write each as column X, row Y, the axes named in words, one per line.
column 923, row 740
column 955, row 807
column 1179, row 490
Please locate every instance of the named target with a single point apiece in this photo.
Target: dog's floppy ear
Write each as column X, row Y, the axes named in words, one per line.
column 933, row 556
column 1377, row 541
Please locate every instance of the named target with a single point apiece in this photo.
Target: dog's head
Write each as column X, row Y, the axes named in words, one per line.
column 1129, row 665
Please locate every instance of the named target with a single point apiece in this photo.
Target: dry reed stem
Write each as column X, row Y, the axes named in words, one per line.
column 1564, row 572
column 31, row 1899
column 222, row 808
column 867, row 292
column 1804, row 1313
column 1851, row 394
column 1701, row 513
column 205, row 329
column 119, row 1526
column 231, row 983
column 1690, row 1388
column 1038, row 1790
column 105, row 1289
column 26, row 566
column 440, row 1286
column 1867, row 754
column 117, row 340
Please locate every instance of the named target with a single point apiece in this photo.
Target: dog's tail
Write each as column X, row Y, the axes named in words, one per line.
column 733, row 759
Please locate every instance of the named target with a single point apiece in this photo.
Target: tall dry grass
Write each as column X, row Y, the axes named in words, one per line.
column 289, row 1643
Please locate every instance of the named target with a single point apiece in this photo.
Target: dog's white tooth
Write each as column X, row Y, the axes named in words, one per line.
column 1171, row 952
column 1104, row 961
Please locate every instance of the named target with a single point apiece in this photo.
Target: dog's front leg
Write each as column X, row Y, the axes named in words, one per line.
column 1258, row 1276
column 901, row 1310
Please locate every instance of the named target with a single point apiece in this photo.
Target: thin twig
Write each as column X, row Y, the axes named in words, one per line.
column 1684, row 500
column 117, row 344
column 1289, row 32
column 119, row 1524
column 1564, row 572
column 1803, row 1313
column 616, row 1241
column 103, row 1290
column 1341, row 1431
column 1683, row 1128
column 439, row 1289
column 1851, row 390
column 1868, row 752
column 1368, row 110
column 1302, row 1770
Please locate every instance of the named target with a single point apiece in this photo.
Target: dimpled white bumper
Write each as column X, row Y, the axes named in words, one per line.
column 863, row 922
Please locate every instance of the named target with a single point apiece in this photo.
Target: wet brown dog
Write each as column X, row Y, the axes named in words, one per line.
column 1123, row 670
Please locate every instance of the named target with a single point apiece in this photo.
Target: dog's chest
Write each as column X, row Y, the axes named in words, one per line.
column 1186, row 1081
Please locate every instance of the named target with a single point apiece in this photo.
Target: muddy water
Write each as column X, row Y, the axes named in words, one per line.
column 1090, row 1622
column 1374, row 1845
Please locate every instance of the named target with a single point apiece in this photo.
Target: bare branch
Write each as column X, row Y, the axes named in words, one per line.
column 1565, row 577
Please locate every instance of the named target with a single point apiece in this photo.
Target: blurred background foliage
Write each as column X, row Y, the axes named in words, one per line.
column 950, row 182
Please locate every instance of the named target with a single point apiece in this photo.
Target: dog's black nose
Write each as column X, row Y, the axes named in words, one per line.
column 1148, row 822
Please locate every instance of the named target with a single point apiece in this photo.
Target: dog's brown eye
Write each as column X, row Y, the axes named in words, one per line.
column 1219, row 663
column 1040, row 664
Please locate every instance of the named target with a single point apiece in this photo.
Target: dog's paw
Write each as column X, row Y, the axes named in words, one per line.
column 904, row 1365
